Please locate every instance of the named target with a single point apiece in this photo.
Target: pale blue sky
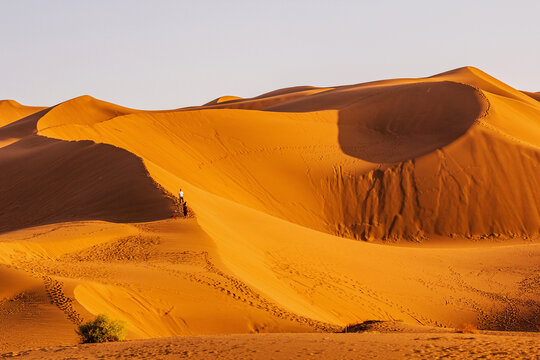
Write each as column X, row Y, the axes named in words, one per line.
column 167, row 54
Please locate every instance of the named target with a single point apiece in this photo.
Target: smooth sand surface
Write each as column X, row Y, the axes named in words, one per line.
column 309, row 209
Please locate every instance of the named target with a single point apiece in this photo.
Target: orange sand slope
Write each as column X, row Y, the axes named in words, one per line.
column 11, row 110
column 279, row 184
column 392, row 160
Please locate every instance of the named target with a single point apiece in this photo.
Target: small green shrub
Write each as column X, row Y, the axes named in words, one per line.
column 101, row 329
column 467, row 328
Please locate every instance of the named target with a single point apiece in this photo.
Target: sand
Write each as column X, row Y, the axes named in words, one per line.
column 11, row 111
column 305, row 346
column 310, row 209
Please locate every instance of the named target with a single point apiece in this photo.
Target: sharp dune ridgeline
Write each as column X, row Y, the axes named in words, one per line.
column 411, row 200
column 47, row 181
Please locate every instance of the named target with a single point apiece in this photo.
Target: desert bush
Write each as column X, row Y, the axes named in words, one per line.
column 467, row 328
column 101, row 329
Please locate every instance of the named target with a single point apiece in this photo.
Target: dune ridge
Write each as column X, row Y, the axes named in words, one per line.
column 263, row 101
column 535, row 95
column 72, row 180
column 429, row 127
column 278, row 185
column 10, row 110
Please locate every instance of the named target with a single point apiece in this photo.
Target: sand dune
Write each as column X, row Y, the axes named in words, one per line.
column 17, row 121
column 262, row 101
column 422, row 142
column 479, row 79
column 75, row 173
column 535, row 95
column 10, row 110
column 72, row 180
column 28, row 316
column 222, row 99
column 282, row 187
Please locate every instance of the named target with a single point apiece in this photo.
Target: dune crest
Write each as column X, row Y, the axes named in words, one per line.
column 479, row 79
column 382, row 161
column 83, row 110
column 263, row 101
column 223, row 99
column 73, row 180
column 10, row 110
column 535, row 95
column 277, row 186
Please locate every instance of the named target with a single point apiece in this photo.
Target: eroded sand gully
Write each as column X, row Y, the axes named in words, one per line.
column 282, row 187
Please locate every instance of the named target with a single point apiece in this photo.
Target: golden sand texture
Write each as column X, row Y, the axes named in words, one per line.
column 393, row 160
column 438, row 176
column 10, row 111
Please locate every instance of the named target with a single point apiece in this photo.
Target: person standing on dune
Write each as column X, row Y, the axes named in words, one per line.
column 185, row 209
column 181, row 196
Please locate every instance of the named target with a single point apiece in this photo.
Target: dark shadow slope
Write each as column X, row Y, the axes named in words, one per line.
column 44, row 181
column 407, row 121
column 22, row 127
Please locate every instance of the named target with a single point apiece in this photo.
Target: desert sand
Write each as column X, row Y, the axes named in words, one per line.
column 409, row 200
column 427, row 345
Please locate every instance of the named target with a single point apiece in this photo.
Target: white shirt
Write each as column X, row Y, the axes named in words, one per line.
column 181, row 194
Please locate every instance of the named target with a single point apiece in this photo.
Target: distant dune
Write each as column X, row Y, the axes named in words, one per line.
column 11, row 110
column 294, row 197
column 535, row 96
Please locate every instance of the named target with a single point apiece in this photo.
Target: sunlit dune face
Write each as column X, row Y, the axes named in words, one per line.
column 404, row 208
